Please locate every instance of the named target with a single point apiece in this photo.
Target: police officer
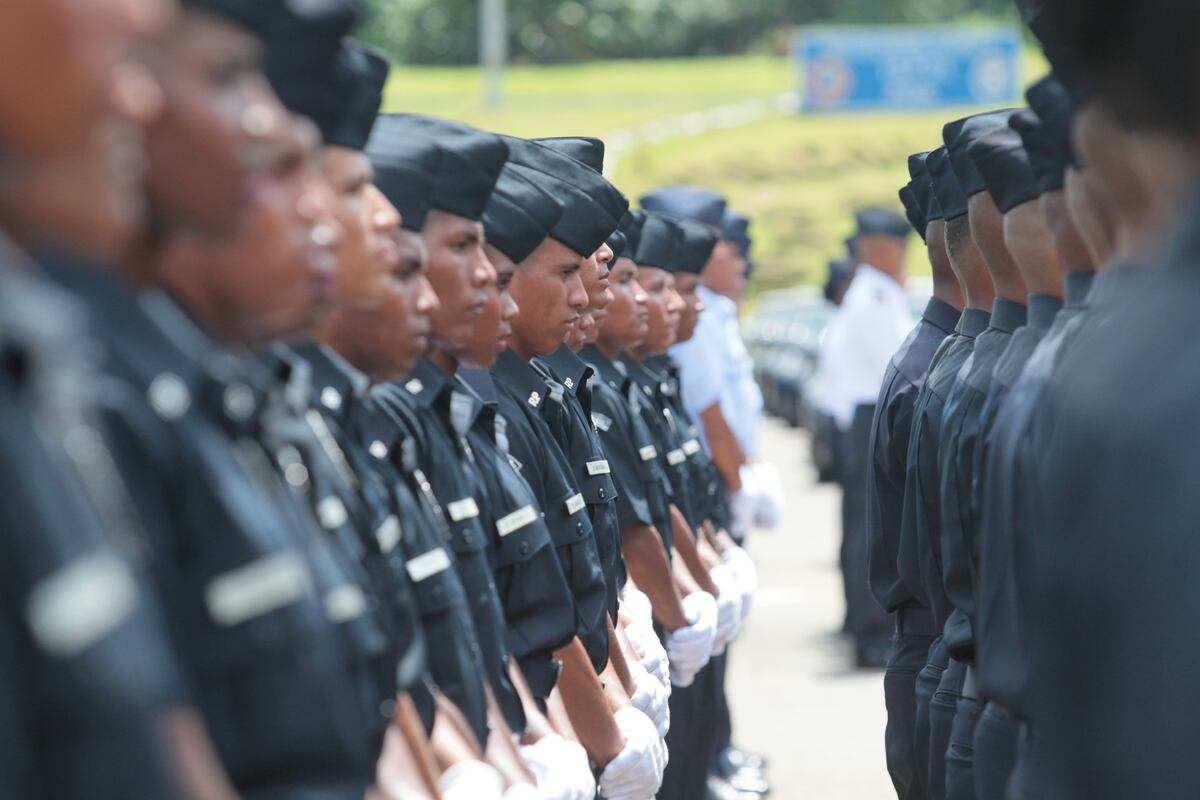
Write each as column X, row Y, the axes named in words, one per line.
column 889, row 440
column 921, row 507
column 871, row 323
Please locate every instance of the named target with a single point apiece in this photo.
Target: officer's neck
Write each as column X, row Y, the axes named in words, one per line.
column 444, row 360
column 608, row 349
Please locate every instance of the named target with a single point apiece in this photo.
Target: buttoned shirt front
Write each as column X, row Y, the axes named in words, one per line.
column 870, row 325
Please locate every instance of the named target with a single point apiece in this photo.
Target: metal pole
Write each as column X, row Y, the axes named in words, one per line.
column 493, row 49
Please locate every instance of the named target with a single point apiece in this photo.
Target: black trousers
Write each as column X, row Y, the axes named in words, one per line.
column 960, row 754
column 908, row 656
column 995, row 752
column 1023, row 783
column 942, row 710
column 867, row 621
column 690, row 740
column 722, row 722
column 928, row 680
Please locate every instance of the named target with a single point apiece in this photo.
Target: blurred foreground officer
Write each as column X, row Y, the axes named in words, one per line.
column 890, row 428
column 871, row 323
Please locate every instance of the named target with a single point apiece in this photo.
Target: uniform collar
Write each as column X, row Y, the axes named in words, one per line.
column 480, row 382
column 941, row 315
column 522, row 377
column 426, row 384
column 973, row 322
column 1077, row 285
column 568, row 367
column 1112, row 282
column 1007, row 315
column 335, row 382
column 608, row 371
column 1042, row 310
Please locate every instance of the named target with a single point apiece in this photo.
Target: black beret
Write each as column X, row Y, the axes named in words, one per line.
column 950, row 196
column 583, row 149
column 922, row 187
column 257, row 17
column 1045, row 159
column 1049, row 99
column 617, row 242
column 406, row 169
column 880, row 222
column 687, row 202
column 1001, row 159
column 694, row 247
column 660, row 236
column 592, row 207
column 365, row 72
column 841, row 272
column 959, row 135
column 631, row 226
column 519, row 215
column 913, row 210
column 302, row 51
column 735, row 227
column 470, row 165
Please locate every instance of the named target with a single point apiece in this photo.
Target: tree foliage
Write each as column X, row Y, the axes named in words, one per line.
column 561, row 31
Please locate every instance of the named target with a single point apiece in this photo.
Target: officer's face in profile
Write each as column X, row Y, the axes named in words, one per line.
column 596, row 283
column 725, row 272
column 663, row 308
column 386, row 341
column 1071, row 249
column 625, row 326
column 493, row 329
column 686, row 284
column 368, row 250
column 275, row 279
column 222, row 131
column 64, row 60
column 548, row 289
column 459, row 271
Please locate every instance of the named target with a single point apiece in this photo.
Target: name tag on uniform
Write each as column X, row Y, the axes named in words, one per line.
column 388, row 534
column 80, row 604
column 463, row 509
column 648, row 452
column 345, row 603
column 676, row 457
column 260, row 587
column 576, row 504
column 691, row 447
column 526, row 515
column 598, row 467
column 601, row 421
column 425, row 566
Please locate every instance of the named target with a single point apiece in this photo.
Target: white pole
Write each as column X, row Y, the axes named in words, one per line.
column 493, row 49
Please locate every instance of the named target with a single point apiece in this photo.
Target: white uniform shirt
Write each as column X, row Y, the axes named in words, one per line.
column 866, row 331
column 716, row 367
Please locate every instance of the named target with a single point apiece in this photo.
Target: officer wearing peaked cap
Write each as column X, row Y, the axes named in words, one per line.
column 870, row 325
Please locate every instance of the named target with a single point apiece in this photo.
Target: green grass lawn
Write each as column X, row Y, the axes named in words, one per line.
column 799, row 177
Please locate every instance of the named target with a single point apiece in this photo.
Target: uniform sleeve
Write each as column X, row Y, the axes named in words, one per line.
column 701, row 362
column 633, row 506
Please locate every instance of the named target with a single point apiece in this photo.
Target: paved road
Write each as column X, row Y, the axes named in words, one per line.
column 795, row 694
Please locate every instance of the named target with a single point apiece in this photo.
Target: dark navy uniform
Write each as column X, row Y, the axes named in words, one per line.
column 85, row 666
column 885, row 498
column 243, row 578
column 537, row 600
column 960, row 435
column 524, row 394
column 422, row 410
column 919, row 524
column 576, row 432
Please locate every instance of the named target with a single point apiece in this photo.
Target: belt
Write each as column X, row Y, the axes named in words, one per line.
column 969, row 690
column 916, row 621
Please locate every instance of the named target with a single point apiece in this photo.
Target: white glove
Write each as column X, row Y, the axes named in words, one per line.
column 743, row 502
column 743, row 567
column 638, row 604
column 768, row 495
column 562, row 769
column 729, row 606
column 471, row 780
column 653, row 657
column 636, row 772
column 690, row 648
column 652, row 699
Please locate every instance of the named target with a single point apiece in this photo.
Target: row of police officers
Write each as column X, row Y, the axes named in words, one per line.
column 344, row 455
column 1029, row 506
